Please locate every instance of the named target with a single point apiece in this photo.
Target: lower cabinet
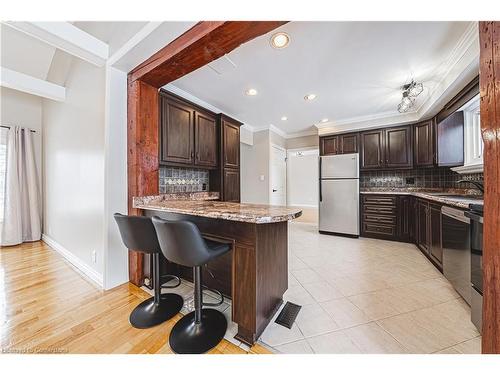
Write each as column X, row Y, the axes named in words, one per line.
column 428, row 216
column 404, row 218
column 231, row 185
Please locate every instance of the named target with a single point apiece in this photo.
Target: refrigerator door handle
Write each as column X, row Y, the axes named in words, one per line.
column 320, row 193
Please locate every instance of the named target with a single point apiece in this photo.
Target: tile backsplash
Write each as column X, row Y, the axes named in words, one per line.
column 441, row 177
column 180, row 180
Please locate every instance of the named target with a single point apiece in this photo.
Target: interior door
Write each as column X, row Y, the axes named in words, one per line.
column 278, row 177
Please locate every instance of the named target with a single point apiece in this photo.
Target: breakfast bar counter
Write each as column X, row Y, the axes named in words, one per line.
column 255, row 273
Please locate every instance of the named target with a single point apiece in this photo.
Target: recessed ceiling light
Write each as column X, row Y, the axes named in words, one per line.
column 280, row 40
column 310, row 97
column 284, row 118
column 324, row 120
column 251, row 92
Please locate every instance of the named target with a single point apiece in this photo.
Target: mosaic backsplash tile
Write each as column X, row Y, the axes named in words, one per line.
column 183, row 180
column 441, row 177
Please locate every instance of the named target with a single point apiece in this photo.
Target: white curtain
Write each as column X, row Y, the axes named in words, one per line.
column 21, row 211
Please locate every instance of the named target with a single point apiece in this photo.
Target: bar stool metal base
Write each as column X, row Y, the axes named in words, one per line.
column 188, row 337
column 148, row 314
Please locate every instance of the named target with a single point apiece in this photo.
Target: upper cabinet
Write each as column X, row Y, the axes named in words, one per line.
column 372, row 149
column 188, row 134
column 205, row 139
column 339, row 144
column 424, row 144
column 398, row 147
column 230, row 142
column 176, row 128
column 387, row 148
column 450, row 135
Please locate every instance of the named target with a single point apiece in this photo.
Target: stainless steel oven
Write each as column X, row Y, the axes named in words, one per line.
column 456, row 250
column 476, row 270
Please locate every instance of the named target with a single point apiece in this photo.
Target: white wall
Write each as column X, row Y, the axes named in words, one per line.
column 254, row 164
column 18, row 108
column 302, row 178
column 73, row 160
column 115, row 253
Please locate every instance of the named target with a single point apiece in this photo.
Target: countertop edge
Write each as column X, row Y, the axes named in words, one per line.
column 433, row 198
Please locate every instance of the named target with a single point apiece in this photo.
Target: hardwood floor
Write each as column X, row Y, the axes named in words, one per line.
column 46, row 306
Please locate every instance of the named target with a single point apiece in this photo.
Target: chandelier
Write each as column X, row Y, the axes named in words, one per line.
column 410, row 92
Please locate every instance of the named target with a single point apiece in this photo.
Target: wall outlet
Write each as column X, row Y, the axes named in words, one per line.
column 94, row 256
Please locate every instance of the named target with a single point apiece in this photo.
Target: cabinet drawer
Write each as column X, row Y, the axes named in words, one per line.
column 384, row 210
column 378, row 229
column 370, row 218
column 377, row 199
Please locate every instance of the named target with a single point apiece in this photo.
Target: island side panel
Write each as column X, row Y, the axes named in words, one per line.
column 272, row 270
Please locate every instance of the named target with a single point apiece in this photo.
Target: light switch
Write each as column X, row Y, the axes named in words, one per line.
column 262, row 177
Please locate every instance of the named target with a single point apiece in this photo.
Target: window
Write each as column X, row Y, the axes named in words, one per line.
column 473, row 142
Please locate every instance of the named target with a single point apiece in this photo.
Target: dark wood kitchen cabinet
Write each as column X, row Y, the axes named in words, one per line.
column 329, row 145
column 228, row 179
column 398, row 147
column 389, row 148
column 405, row 218
column 424, row 144
column 450, row 136
column 349, row 143
column 339, row 144
column 188, row 134
column 372, row 149
column 429, row 232
column 205, row 139
column 435, row 241
column 422, row 214
column 176, row 131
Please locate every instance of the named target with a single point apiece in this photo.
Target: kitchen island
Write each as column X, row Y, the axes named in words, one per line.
column 255, row 273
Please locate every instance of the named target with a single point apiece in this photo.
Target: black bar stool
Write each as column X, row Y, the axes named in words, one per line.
column 181, row 242
column 138, row 233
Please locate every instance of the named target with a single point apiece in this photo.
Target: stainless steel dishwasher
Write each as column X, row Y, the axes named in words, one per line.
column 456, row 250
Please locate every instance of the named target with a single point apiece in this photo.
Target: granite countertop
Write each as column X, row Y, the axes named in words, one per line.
column 249, row 213
column 460, row 198
column 195, row 196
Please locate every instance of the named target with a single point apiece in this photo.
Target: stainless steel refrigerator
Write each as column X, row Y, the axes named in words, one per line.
column 339, row 194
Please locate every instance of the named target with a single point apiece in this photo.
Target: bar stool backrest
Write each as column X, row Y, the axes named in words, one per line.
column 181, row 242
column 138, row 233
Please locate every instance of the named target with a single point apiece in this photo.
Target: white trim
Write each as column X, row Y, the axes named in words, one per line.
column 31, row 85
column 308, row 148
column 303, row 205
column 80, row 265
column 472, row 168
column 133, row 42
column 66, row 37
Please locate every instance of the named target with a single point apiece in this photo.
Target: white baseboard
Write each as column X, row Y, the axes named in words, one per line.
column 81, row 266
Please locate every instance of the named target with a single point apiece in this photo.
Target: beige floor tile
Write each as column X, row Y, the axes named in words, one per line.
column 371, row 338
column 472, row 346
column 307, row 275
column 345, row 313
column 333, row 343
column 432, row 329
column 298, row 295
column 275, row 334
column 312, row 320
column 322, row 291
column 297, row 347
column 375, row 305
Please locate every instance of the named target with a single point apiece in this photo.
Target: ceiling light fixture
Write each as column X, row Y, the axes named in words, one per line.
column 410, row 92
column 280, row 40
column 251, row 92
column 324, row 120
column 284, row 118
column 310, row 97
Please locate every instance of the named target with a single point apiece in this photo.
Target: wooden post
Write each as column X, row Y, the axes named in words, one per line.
column 142, row 156
column 489, row 79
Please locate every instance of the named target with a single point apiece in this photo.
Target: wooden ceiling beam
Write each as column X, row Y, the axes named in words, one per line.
column 203, row 43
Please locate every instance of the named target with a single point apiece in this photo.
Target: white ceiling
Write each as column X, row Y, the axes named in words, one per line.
column 24, row 54
column 356, row 69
